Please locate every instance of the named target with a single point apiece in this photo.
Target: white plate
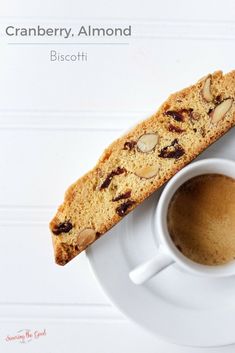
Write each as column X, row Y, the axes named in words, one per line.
column 174, row 305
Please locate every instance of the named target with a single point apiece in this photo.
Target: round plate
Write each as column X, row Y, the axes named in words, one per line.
column 177, row 306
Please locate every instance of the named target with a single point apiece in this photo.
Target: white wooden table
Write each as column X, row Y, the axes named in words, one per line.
column 55, row 120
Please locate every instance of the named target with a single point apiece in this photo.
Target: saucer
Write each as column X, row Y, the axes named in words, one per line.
column 174, row 305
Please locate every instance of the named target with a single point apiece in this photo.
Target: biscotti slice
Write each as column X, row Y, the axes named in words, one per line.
column 138, row 163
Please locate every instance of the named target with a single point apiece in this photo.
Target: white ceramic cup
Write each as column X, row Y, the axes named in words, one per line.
column 167, row 253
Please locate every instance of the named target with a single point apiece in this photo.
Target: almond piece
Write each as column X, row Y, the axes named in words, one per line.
column 86, row 237
column 221, row 110
column 206, row 90
column 147, row 172
column 147, row 142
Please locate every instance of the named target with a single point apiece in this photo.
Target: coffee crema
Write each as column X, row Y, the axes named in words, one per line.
column 201, row 219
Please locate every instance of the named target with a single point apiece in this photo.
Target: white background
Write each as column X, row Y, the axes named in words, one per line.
column 55, row 120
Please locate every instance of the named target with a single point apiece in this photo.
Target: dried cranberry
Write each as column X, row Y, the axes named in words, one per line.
column 110, row 176
column 174, row 150
column 126, row 195
column 129, row 145
column 124, row 207
column 107, row 181
column 64, row 227
column 178, row 116
column 210, row 111
column 218, row 99
column 173, row 128
column 177, row 153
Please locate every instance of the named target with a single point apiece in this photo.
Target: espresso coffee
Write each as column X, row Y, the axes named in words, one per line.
column 201, row 219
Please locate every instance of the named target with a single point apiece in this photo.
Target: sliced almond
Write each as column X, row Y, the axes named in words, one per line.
column 206, row 90
column 221, row 110
column 86, row 237
column 147, row 172
column 194, row 116
column 147, row 142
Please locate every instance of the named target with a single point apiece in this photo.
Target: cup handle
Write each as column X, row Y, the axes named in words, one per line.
column 148, row 269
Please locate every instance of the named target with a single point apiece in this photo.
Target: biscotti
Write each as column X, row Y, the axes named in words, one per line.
column 138, row 163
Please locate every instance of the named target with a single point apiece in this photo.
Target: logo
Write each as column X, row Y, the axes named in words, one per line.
column 26, row 336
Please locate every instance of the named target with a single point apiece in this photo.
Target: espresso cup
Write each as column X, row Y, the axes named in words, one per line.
column 167, row 252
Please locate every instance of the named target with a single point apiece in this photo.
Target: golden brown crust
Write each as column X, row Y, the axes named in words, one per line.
column 184, row 128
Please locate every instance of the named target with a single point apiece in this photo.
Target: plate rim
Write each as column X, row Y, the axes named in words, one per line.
column 90, row 253
column 166, row 338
